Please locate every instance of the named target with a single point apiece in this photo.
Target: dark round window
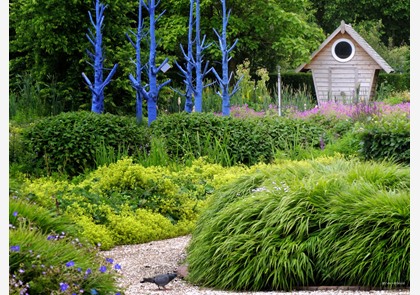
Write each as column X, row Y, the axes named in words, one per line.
column 343, row 50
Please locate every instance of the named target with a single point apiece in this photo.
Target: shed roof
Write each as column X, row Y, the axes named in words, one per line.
column 359, row 39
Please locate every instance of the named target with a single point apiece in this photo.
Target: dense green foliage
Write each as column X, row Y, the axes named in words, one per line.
column 397, row 82
column 387, row 138
column 69, row 142
column 48, row 42
column 323, row 222
column 395, row 15
column 245, row 140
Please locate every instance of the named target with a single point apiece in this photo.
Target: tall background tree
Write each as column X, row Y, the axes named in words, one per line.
column 394, row 15
column 95, row 38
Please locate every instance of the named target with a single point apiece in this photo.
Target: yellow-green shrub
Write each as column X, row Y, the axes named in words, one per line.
column 44, row 190
column 139, row 227
column 95, row 233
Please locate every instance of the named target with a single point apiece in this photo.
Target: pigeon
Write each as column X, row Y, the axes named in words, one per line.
column 160, row 280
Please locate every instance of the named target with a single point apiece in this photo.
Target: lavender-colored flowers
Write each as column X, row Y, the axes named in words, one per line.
column 341, row 110
column 70, row 263
column 102, row 269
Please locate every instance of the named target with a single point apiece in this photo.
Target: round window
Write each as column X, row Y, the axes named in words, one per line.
column 343, row 50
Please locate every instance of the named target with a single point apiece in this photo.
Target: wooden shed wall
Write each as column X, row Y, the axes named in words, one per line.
column 340, row 78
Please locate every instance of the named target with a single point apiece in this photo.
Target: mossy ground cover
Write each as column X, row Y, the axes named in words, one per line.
column 327, row 221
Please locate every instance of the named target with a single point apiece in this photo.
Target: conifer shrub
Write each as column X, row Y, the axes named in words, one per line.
column 328, row 221
column 68, row 142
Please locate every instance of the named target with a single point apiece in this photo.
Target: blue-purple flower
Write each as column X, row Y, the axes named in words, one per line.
column 63, row 287
column 102, row 269
column 15, row 213
column 117, row 266
column 110, row 260
column 15, row 248
column 88, row 271
column 70, row 263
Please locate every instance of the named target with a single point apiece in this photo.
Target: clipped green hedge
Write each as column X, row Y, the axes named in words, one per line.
column 323, row 222
column 243, row 140
column 387, row 138
column 68, row 142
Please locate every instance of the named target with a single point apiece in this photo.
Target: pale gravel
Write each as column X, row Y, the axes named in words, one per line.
column 157, row 257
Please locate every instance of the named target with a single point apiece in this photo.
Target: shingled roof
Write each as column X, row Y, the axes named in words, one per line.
column 359, row 39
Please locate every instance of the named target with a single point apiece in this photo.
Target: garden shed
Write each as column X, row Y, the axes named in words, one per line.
column 345, row 67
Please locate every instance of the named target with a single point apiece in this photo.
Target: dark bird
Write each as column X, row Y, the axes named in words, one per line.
column 160, row 280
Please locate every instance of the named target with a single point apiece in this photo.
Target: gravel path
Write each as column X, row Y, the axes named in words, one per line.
column 150, row 259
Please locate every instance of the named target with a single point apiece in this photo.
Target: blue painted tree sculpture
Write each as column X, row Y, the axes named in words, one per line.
column 151, row 96
column 188, row 72
column 225, row 79
column 139, row 35
column 194, row 63
column 97, row 87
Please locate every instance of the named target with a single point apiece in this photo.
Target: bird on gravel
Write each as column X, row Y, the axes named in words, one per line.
column 160, row 280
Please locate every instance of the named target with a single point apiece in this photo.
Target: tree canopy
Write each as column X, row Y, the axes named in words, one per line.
column 47, row 38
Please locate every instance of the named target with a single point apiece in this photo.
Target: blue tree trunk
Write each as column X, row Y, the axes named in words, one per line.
column 151, row 96
column 97, row 88
column 194, row 63
column 225, row 79
column 137, row 47
column 189, row 87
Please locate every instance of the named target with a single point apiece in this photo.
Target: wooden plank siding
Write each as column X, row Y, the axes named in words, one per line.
column 343, row 81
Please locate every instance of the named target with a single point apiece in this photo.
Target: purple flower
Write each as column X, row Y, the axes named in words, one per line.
column 50, row 238
column 79, row 269
column 15, row 248
column 70, row 263
column 102, row 269
column 88, row 271
column 15, row 213
column 110, row 260
column 117, row 266
column 63, row 286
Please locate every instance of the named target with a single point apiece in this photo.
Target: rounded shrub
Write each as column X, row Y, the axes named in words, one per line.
column 69, row 142
column 317, row 222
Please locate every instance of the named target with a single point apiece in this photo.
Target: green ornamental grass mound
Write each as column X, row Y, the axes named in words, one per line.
column 323, row 222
